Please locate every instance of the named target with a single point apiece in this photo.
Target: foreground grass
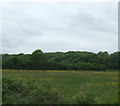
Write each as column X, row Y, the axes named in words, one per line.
column 73, row 87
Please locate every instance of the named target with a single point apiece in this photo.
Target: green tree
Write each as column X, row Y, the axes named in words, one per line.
column 38, row 59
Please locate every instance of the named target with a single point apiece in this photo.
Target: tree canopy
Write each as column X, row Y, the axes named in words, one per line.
column 72, row 60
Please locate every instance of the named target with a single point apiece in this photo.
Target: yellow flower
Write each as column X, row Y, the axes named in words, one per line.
column 81, row 93
column 112, row 83
column 73, row 97
column 99, row 72
column 93, row 84
column 115, row 78
column 54, row 89
column 46, row 78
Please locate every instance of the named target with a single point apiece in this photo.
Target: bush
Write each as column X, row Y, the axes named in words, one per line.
column 88, row 99
column 89, row 66
column 15, row 92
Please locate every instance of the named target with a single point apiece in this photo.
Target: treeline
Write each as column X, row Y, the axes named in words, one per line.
column 61, row 61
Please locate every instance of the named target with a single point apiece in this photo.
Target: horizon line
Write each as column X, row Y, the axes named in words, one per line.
column 64, row 51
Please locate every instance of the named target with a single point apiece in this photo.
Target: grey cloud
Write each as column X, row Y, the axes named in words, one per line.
column 59, row 27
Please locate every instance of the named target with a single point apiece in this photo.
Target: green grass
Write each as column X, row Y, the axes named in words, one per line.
column 72, row 86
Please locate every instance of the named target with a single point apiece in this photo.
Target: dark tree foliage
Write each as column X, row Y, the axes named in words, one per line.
column 38, row 59
column 62, row 61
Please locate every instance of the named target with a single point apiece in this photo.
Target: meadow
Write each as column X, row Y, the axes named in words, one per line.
column 59, row 87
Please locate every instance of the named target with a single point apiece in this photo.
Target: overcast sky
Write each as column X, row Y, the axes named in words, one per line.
column 60, row 27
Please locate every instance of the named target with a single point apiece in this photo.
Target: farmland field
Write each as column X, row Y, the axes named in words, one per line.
column 73, row 87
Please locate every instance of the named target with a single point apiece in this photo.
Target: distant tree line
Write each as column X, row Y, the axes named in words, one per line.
column 72, row 60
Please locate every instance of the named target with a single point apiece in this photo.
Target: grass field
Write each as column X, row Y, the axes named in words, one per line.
column 73, row 87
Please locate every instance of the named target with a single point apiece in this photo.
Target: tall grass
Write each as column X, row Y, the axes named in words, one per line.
column 60, row 87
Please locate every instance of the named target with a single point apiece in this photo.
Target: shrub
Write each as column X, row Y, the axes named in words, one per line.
column 15, row 92
column 88, row 99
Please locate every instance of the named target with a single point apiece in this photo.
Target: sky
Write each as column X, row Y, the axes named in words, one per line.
column 59, row 27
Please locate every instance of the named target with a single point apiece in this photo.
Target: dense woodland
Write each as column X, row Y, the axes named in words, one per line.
column 72, row 60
